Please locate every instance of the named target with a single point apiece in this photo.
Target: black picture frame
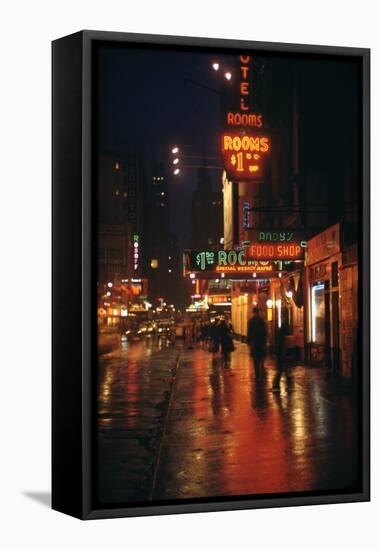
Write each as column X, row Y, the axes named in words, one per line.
column 73, row 268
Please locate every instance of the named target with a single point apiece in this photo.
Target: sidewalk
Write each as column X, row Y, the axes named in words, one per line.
column 133, row 396
column 228, row 435
column 174, row 424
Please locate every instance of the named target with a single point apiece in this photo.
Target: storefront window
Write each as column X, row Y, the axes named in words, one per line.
column 318, row 314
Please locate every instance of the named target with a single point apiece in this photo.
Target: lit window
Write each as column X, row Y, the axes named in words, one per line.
column 117, row 166
column 117, row 192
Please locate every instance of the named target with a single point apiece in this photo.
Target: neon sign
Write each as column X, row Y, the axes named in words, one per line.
column 274, row 236
column 275, row 251
column 136, row 252
column 219, row 299
column 246, row 222
column 276, row 244
column 245, row 143
column 244, row 154
column 250, row 268
column 278, row 236
column 228, row 262
column 243, row 118
column 244, row 86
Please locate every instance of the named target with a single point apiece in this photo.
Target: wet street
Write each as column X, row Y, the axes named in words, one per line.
column 174, row 424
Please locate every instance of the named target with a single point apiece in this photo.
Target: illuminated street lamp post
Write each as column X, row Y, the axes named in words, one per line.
column 216, row 66
column 175, row 160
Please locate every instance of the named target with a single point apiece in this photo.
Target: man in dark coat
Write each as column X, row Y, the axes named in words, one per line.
column 281, row 353
column 214, row 336
column 256, row 339
column 226, row 340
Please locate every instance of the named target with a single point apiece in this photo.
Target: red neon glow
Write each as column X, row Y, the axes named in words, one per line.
column 244, row 119
column 275, row 251
column 244, row 154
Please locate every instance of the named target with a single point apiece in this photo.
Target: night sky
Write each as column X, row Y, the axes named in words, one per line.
column 154, row 99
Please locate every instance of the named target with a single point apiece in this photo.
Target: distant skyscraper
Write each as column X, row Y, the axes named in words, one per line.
column 206, row 213
column 120, row 206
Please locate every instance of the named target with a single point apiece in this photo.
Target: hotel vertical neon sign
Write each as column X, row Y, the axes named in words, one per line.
column 243, row 117
column 244, row 152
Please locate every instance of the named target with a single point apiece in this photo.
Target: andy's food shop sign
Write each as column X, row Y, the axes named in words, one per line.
column 275, row 244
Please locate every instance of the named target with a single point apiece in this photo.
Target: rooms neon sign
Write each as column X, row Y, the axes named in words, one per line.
column 244, row 154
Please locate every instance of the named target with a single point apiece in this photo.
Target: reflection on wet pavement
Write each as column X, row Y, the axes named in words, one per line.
column 228, row 435
column 203, row 430
column 134, row 385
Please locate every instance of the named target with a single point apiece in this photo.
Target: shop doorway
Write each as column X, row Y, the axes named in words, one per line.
column 325, row 326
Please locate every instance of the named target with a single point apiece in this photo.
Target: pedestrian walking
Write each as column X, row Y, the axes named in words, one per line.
column 282, row 350
column 188, row 334
column 256, row 339
column 214, row 337
column 226, row 340
column 202, row 337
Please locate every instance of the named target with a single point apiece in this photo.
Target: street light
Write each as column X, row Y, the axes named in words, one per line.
column 216, row 66
column 176, row 160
